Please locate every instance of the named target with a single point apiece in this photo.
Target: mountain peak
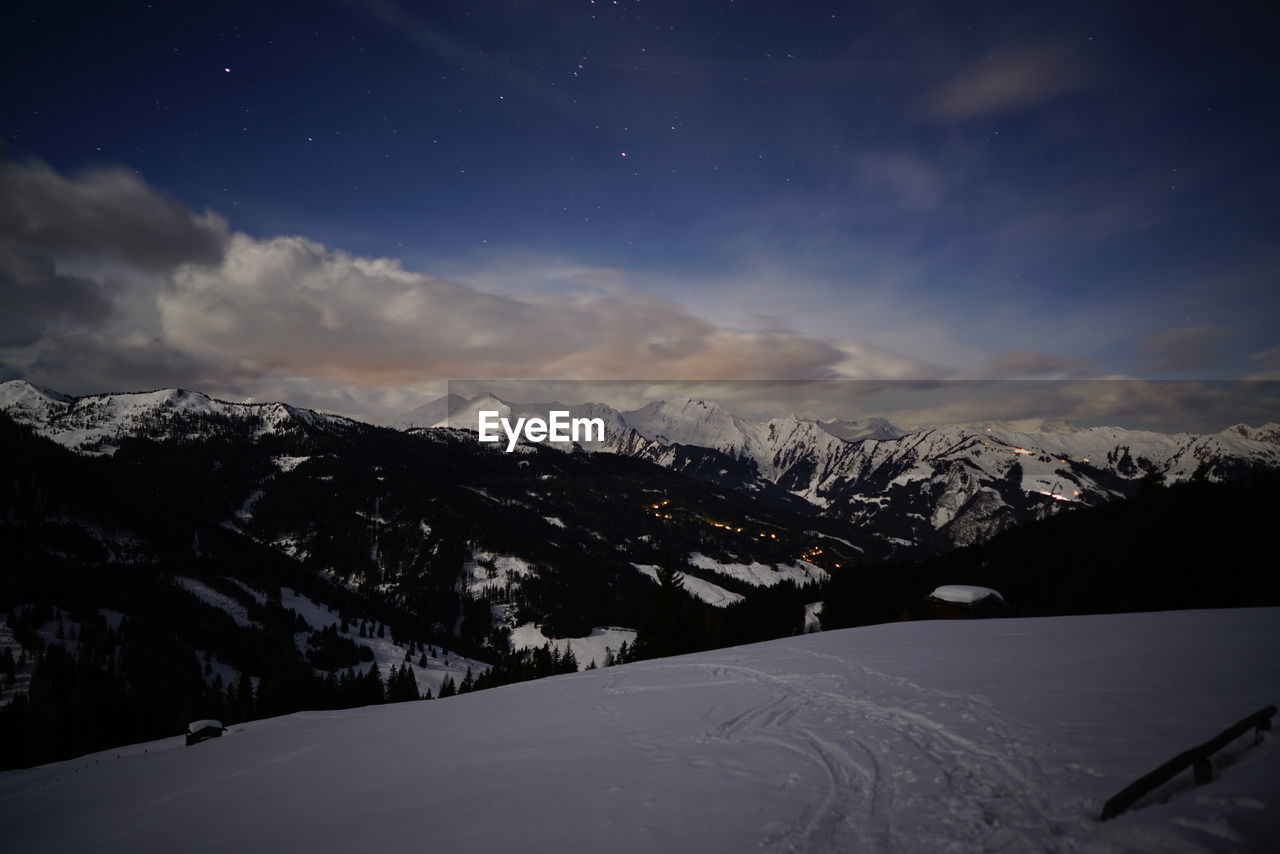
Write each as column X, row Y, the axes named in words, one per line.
column 13, row 390
column 877, row 428
column 1269, row 432
column 687, row 421
column 1024, row 425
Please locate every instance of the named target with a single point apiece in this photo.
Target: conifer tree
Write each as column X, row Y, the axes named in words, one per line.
column 668, row 630
column 568, row 661
column 409, row 684
column 243, row 706
column 373, row 689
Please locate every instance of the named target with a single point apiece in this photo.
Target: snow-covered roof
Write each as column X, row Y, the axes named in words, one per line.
column 196, row 726
column 964, row 594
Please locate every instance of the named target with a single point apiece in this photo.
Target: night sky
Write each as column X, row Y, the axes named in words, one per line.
column 345, row 204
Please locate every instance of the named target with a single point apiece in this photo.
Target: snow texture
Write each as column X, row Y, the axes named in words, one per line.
column 985, row 735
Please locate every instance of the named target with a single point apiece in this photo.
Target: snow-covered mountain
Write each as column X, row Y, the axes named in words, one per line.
column 931, row 489
column 472, row 548
column 997, row 735
column 922, row 491
column 96, row 423
column 433, row 414
column 864, row 428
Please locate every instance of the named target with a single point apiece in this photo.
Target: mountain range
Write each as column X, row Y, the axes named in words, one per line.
column 923, row 491
column 918, row 492
column 289, row 552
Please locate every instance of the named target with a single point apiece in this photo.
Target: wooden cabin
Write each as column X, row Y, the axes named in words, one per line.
column 966, row 602
column 198, row 731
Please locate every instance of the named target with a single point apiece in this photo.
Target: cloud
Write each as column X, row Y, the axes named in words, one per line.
column 296, row 306
column 434, row 40
column 37, row 299
column 900, row 181
column 1007, row 83
column 109, row 284
column 1190, row 348
column 1025, row 364
column 1161, row 405
column 108, row 213
column 1268, row 362
column 864, row 361
column 94, row 361
column 159, row 296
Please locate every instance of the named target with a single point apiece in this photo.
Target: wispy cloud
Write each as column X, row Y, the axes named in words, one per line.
column 1189, row 348
column 1268, row 364
column 1007, row 82
column 1025, row 364
column 897, row 180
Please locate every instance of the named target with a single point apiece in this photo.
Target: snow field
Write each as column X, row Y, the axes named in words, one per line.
column 942, row 736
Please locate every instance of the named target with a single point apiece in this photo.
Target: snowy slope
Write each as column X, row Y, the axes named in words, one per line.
column 759, row 575
column 709, row 592
column 387, row 653
column 433, row 414
column 997, row 735
column 593, row 648
column 217, row 599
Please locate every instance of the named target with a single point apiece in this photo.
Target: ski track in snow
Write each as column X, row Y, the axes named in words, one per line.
column 902, row 750
column 985, row 782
